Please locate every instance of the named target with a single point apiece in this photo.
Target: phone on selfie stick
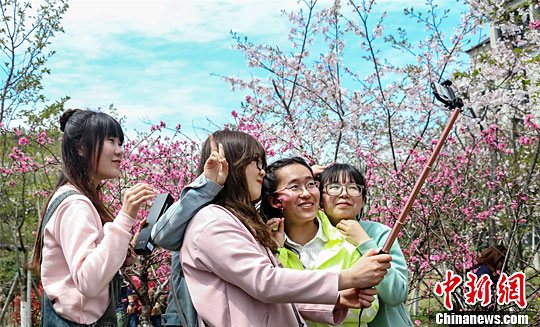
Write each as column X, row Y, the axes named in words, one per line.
column 445, row 94
column 144, row 243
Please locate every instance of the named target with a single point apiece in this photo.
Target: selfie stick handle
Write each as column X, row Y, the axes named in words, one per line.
column 427, row 168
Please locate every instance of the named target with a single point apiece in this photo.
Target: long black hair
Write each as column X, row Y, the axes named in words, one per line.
column 240, row 150
column 82, row 144
column 270, row 183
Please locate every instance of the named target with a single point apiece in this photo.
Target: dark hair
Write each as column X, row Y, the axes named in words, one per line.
column 492, row 257
column 240, row 150
column 82, row 144
column 270, row 183
column 338, row 172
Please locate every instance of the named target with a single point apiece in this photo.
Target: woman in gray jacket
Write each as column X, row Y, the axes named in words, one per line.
column 169, row 232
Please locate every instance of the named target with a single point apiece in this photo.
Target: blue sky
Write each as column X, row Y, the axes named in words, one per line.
column 154, row 60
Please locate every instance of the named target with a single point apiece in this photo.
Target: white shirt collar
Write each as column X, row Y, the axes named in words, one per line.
column 318, row 236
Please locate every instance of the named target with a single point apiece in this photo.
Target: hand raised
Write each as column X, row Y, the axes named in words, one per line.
column 135, row 196
column 142, row 224
column 318, row 169
column 367, row 272
column 216, row 167
column 353, row 231
column 276, row 226
column 131, row 256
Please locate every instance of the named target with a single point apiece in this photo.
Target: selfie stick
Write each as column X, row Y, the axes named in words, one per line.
column 443, row 93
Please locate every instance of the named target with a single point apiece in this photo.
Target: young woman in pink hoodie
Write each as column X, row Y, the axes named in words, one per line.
column 80, row 245
column 228, row 257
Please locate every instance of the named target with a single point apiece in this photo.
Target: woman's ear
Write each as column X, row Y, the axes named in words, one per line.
column 275, row 202
column 81, row 151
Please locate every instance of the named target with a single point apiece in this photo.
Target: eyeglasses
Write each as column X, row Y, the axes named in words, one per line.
column 351, row 189
column 299, row 188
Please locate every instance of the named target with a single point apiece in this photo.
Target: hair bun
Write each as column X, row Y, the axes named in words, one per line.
column 66, row 116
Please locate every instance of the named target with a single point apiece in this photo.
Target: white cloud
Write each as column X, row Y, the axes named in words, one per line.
column 148, row 58
column 153, row 59
column 160, row 91
column 179, row 21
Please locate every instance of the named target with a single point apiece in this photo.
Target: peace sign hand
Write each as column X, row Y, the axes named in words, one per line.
column 216, row 167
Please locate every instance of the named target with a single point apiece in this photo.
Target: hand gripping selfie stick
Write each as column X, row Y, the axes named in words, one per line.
column 443, row 93
column 144, row 243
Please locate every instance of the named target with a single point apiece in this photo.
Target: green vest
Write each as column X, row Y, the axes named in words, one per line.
column 336, row 255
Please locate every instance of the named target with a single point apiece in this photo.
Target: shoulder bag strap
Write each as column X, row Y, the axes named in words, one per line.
column 295, row 309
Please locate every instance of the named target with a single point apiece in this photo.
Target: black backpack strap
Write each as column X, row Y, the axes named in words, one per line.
column 52, row 207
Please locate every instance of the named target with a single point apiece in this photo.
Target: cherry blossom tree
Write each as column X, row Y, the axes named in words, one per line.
column 348, row 87
column 167, row 160
column 25, row 153
column 336, row 93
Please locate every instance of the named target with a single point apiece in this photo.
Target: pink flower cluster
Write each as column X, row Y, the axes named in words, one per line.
column 534, row 24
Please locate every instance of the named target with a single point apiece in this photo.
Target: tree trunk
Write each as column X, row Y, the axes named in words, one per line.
column 415, row 305
column 28, row 312
column 26, row 298
column 536, row 258
column 144, row 318
column 23, row 309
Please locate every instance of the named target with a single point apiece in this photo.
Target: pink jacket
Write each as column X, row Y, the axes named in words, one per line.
column 234, row 281
column 80, row 257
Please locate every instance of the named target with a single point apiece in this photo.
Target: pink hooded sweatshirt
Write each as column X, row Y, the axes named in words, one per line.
column 80, row 257
column 234, row 281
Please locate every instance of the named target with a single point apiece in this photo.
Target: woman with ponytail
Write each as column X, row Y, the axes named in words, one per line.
column 81, row 246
